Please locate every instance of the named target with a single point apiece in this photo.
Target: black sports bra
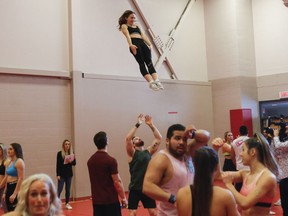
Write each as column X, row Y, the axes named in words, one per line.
column 2, row 168
column 133, row 30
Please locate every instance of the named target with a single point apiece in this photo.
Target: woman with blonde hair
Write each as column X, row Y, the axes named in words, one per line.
column 3, row 164
column 226, row 150
column 65, row 161
column 37, row 197
column 259, row 183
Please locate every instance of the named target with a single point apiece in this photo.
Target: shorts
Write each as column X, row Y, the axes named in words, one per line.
column 135, row 196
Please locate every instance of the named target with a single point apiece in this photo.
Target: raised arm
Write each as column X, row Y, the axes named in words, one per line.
column 265, row 184
column 157, row 136
column 129, row 142
column 277, row 144
column 198, row 138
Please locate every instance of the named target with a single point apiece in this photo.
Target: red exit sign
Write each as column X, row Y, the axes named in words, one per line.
column 283, row 94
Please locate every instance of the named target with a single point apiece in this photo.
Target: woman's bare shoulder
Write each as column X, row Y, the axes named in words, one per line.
column 14, row 213
column 221, row 192
column 124, row 26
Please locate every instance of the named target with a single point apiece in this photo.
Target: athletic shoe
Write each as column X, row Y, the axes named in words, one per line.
column 68, row 206
column 278, row 203
column 159, row 85
column 153, row 86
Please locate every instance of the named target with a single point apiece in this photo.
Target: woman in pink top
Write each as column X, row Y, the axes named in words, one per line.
column 259, row 184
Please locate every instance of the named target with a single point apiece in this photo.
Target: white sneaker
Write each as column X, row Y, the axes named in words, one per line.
column 159, row 85
column 68, row 206
column 278, row 203
column 153, row 86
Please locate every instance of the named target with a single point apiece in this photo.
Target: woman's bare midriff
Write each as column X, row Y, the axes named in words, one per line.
column 12, row 179
column 136, row 35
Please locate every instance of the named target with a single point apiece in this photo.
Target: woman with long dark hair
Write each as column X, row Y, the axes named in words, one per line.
column 140, row 48
column 202, row 198
column 259, row 183
column 3, row 163
column 14, row 176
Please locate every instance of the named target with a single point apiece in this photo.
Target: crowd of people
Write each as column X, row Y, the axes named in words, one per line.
column 179, row 177
column 37, row 194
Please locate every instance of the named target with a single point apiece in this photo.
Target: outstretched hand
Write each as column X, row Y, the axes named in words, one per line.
column 217, row 143
column 140, row 118
column 124, row 203
column 148, row 120
column 189, row 131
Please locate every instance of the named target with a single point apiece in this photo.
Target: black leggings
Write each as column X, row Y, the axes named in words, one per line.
column 143, row 56
column 10, row 190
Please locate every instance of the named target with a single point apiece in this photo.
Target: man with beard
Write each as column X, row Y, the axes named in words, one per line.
column 138, row 159
column 172, row 167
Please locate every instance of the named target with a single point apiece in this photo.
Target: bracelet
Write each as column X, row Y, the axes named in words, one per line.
column 193, row 134
column 172, row 199
column 137, row 125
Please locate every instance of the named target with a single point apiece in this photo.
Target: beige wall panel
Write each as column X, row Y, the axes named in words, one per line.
column 112, row 104
column 35, row 112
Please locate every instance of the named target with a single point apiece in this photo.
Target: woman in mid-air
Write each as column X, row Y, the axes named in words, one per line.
column 140, row 47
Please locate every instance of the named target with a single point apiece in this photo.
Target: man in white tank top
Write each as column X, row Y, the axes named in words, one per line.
column 172, row 168
column 237, row 149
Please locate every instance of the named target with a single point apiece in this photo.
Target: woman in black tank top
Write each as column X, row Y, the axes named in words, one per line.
column 3, row 163
column 140, row 48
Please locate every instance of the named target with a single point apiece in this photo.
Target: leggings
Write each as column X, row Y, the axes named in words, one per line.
column 143, row 56
column 283, row 185
column 3, row 203
column 10, row 190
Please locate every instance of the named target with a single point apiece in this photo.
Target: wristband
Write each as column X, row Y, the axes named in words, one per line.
column 172, row 199
column 137, row 125
column 193, row 134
